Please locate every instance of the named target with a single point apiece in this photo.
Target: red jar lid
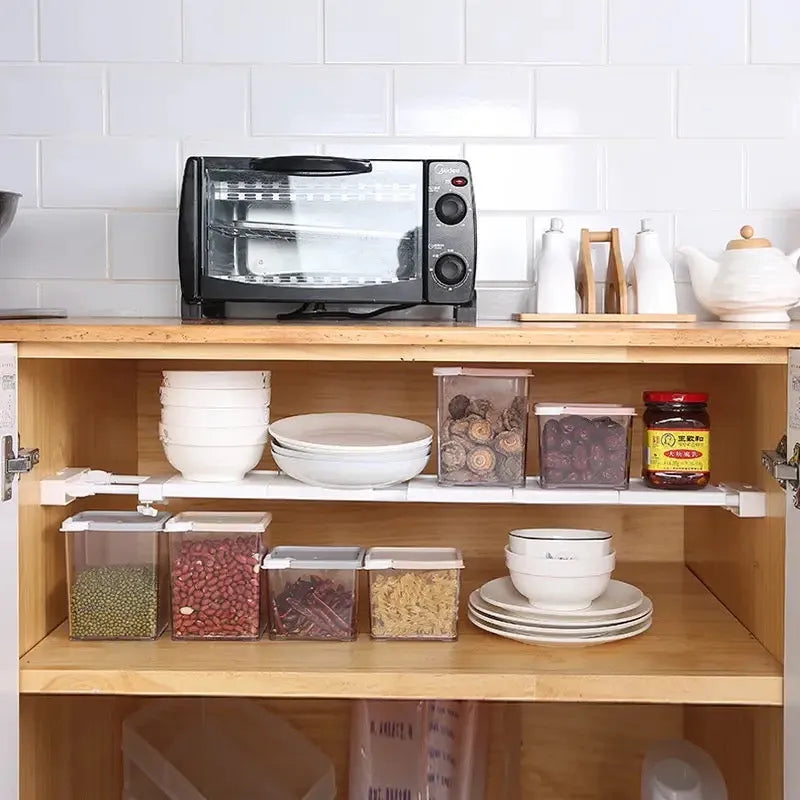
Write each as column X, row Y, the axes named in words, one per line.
column 675, row 397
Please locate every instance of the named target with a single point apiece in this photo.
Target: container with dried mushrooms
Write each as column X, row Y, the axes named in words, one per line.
column 482, row 426
column 413, row 592
column 116, row 575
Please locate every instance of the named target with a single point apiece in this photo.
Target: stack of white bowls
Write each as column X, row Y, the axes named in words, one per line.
column 350, row 451
column 214, row 424
column 560, row 569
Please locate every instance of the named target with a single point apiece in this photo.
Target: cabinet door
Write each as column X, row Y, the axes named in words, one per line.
column 791, row 661
column 9, row 588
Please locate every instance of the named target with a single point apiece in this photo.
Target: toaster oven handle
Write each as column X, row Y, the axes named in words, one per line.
column 311, row 165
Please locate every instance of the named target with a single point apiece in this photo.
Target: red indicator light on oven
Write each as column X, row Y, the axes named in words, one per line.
column 459, row 180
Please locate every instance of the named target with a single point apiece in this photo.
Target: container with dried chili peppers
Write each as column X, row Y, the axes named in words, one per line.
column 313, row 592
column 677, row 440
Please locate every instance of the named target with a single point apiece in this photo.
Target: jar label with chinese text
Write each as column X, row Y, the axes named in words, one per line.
column 678, row 450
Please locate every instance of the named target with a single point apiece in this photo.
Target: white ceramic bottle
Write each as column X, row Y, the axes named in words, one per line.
column 650, row 279
column 555, row 272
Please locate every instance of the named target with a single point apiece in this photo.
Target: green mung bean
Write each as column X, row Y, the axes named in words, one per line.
column 115, row 602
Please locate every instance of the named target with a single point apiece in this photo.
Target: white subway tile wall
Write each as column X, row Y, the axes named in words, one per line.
column 602, row 112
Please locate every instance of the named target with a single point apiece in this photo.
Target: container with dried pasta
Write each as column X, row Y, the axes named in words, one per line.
column 482, row 426
column 413, row 592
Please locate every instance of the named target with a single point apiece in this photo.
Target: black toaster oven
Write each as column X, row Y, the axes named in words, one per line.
column 315, row 231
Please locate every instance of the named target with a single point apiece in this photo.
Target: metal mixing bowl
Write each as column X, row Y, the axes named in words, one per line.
column 8, row 208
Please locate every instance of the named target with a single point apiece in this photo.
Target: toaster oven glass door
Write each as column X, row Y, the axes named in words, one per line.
column 321, row 231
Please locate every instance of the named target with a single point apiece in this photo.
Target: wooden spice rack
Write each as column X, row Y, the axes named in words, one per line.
column 715, row 666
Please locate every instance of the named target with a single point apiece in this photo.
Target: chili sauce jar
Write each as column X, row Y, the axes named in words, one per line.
column 677, row 440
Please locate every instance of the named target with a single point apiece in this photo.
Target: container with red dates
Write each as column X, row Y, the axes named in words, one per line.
column 215, row 571
column 313, row 592
column 586, row 446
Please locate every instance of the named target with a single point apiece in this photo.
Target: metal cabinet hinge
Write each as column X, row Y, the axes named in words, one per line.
column 14, row 464
column 782, row 467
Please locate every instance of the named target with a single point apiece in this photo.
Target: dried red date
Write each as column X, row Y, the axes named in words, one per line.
column 216, row 588
column 580, row 458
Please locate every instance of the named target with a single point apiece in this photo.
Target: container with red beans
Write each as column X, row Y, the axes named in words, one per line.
column 584, row 446
column 215, row 572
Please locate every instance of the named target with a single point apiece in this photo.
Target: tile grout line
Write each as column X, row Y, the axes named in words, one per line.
column 748, row 39
column 321, row 30
column 37, row 19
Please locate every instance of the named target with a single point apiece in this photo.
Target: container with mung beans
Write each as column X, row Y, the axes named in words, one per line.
column 116, row 575
column 215, row 572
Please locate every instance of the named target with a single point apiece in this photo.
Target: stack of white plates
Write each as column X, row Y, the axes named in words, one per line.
column 621, row 612
column 214, row 424
column 350, row 451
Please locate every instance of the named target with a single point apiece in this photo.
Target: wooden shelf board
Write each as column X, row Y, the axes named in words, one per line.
column 695, row 652
column 488, row 341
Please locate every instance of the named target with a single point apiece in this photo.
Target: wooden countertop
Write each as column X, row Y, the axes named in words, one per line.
column 396, row 341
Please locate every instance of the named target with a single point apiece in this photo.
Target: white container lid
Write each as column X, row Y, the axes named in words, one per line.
column 219, row 522
column 413, row 558
column 115, row 521
column 583, row 410
column 560, row 534
column 478, row 372
column 317, row 558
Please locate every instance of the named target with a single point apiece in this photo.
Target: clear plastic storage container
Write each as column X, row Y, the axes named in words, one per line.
column 584, row 445
column 116, row 575
column 313, row 592
column 219, row 749
column 413, row 592
column 215, row 569
column 482, row 426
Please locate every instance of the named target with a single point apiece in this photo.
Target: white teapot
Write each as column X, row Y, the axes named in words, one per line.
column 752, row 282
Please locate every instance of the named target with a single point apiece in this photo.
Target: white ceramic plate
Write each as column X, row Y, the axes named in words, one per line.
column 538, row 638
column 372, row 474
column 550, row 630
column 331, row 433
column 617, row 598
column 545, row 620
column 400, row 455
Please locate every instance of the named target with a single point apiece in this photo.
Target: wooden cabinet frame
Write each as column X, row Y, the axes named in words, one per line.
column 711, row 668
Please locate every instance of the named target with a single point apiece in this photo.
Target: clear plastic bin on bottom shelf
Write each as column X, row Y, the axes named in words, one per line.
column 219, row 749
column 419, row 750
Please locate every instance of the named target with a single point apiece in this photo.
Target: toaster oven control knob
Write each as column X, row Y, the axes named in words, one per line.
column 450, row 270
column 451, row 209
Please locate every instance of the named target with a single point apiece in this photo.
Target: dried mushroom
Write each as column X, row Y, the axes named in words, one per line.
column 483, row 443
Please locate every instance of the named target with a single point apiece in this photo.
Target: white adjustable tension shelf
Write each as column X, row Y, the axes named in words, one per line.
column 69, row 484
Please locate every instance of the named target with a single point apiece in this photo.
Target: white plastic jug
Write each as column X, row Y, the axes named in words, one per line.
column 679, row 770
